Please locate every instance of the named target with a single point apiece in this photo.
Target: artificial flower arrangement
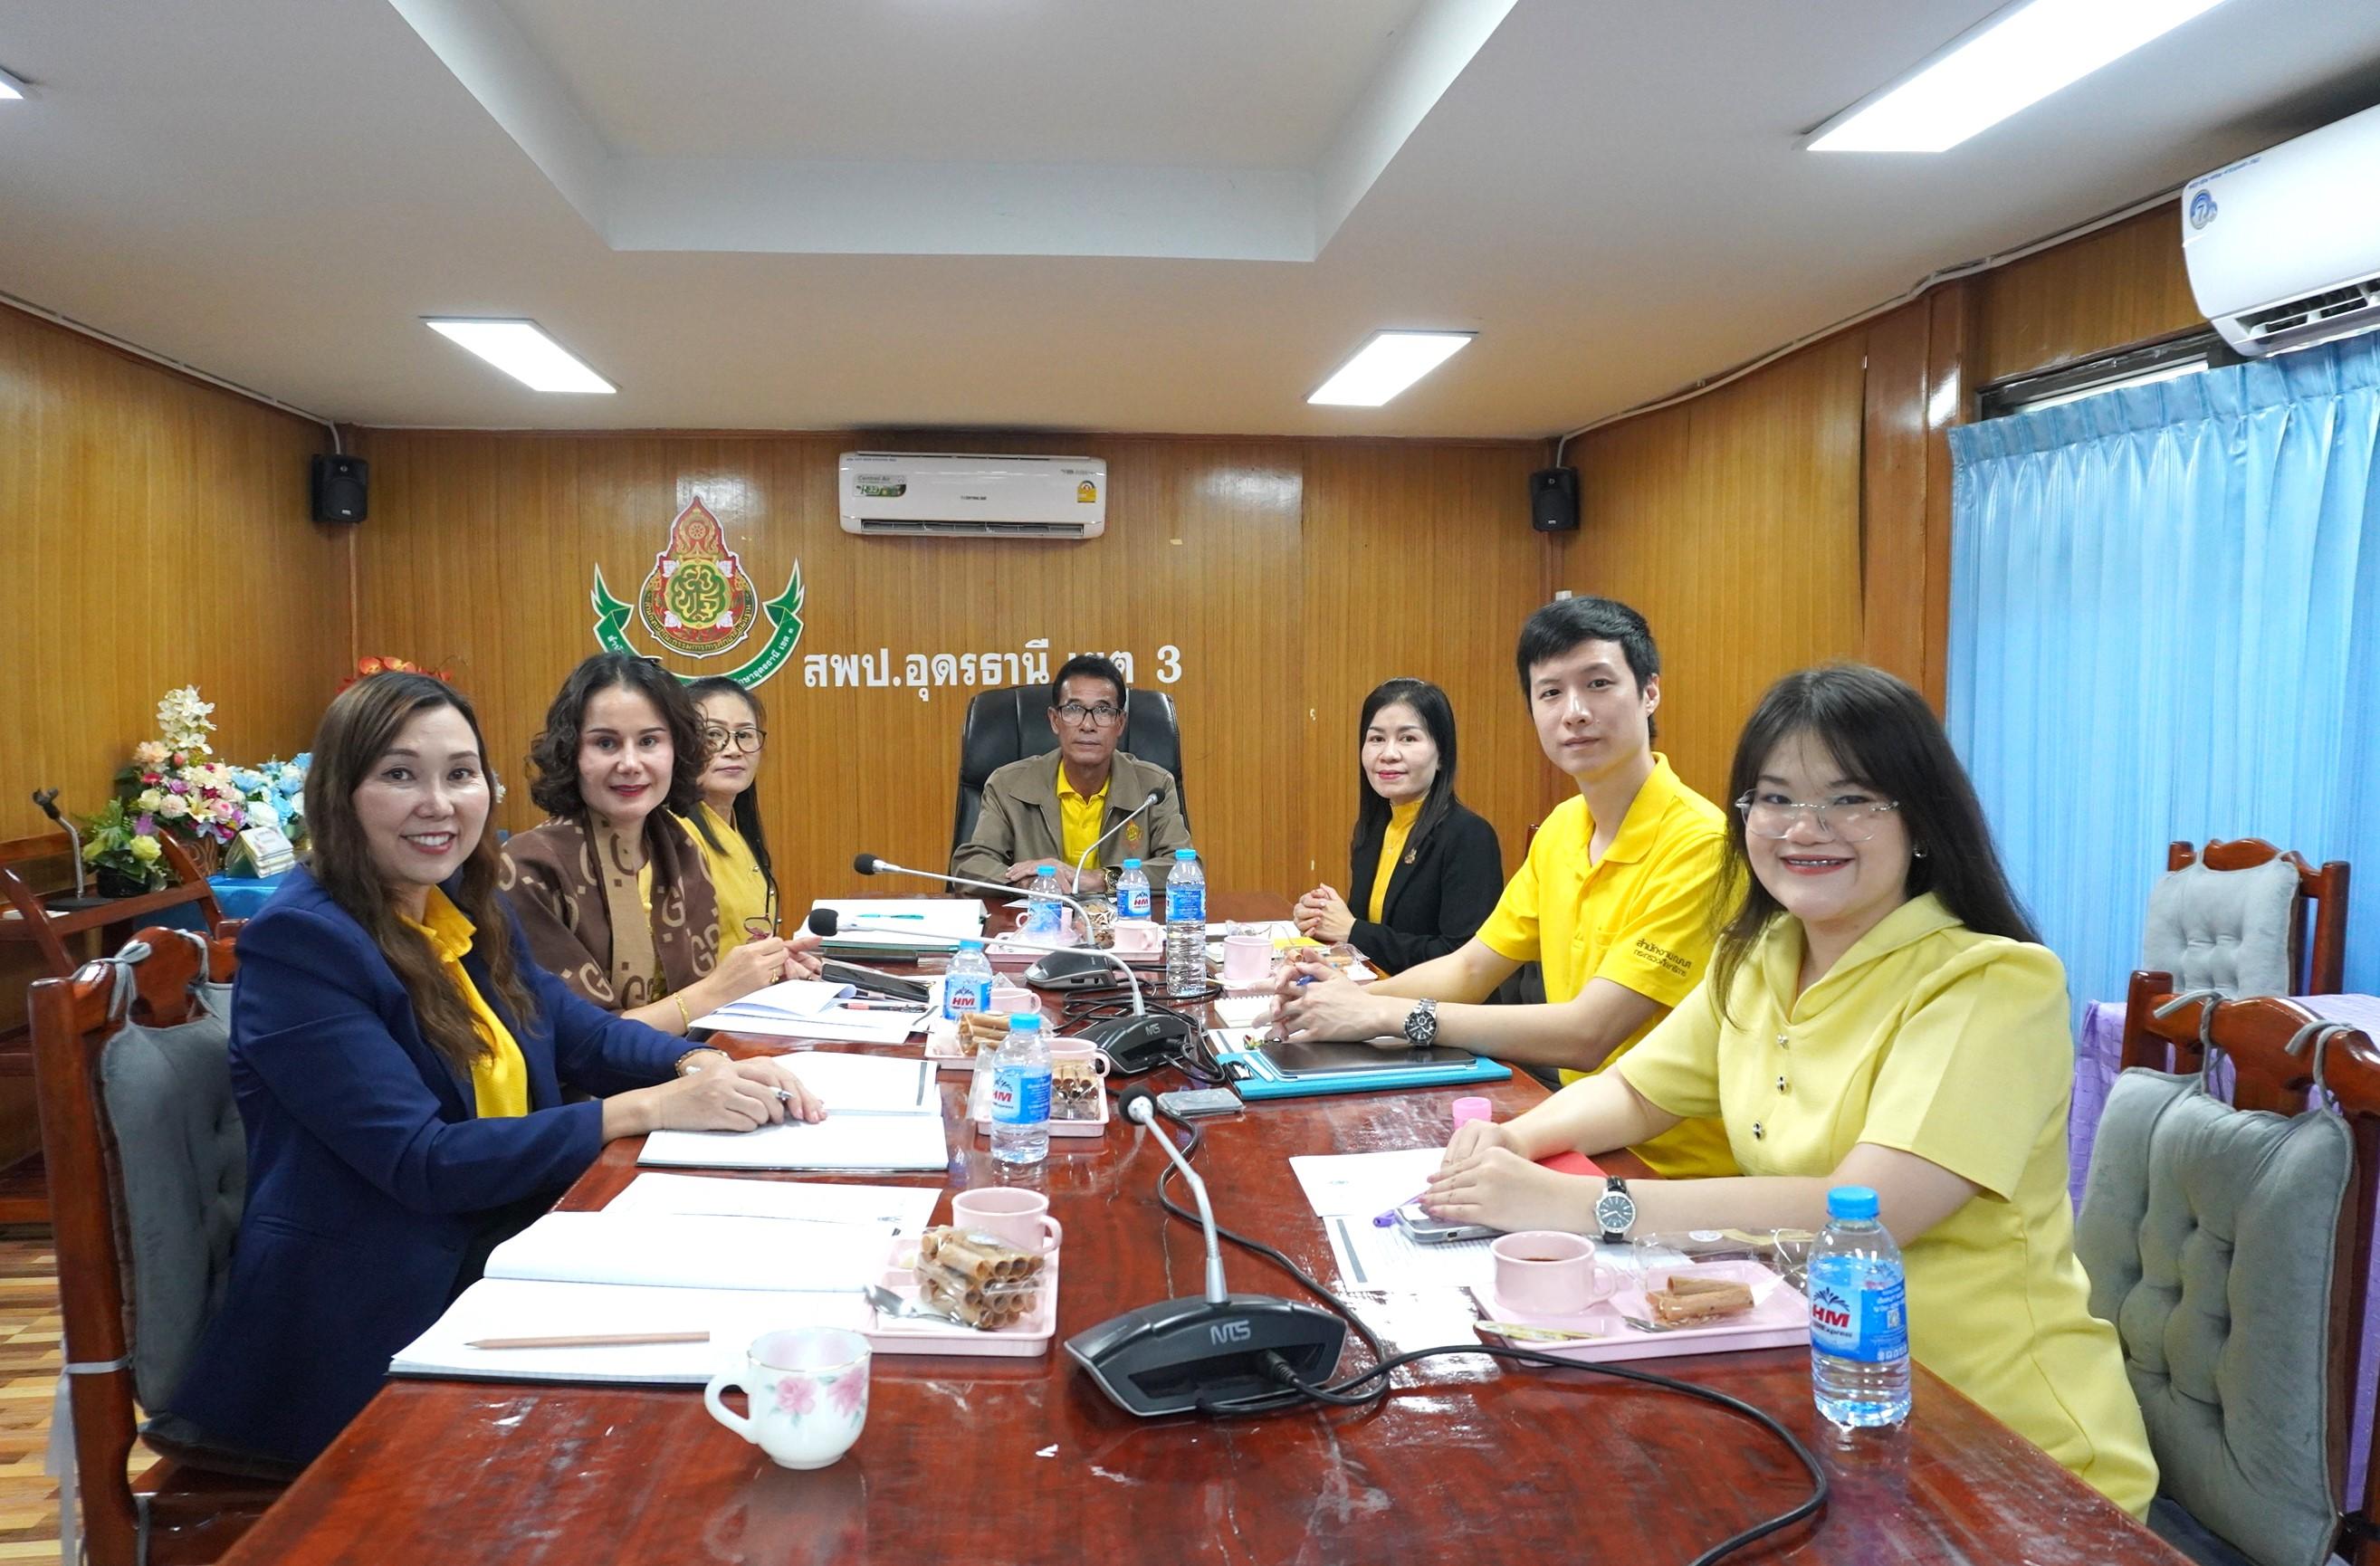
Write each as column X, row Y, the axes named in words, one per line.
column 275, row 794
column 124, row 850
column 170, row 787
column 366, row 667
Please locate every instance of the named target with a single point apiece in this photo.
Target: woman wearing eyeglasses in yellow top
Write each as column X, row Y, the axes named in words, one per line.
column 736, row 850
column 1879, row 1012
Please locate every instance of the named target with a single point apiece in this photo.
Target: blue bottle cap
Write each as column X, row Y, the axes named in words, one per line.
column 1852, row 1202
column 1186, row 853
column 1132, row 864
column 970, row 945
column 1031, row 1020
column 1048, row 867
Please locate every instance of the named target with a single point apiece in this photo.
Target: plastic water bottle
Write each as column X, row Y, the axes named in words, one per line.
column 1859, row 1316
column 1020, row 1094
column 966, row 987
column 1041, row 914
column 1186, row 925
column 1132, row 892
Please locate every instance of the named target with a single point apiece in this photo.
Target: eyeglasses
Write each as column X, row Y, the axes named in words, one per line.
column 746, row 739
column 1102, row 716
column 1850, row 817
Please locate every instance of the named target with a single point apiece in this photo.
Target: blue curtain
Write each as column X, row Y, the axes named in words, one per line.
column 2165, row 624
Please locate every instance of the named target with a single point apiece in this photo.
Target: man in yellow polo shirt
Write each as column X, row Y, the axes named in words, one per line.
column 1614, row 900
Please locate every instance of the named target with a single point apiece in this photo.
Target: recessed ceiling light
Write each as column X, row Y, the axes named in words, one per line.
column 522, row 350
column 10, row 86
column 1387, row 365
column 2012, row 61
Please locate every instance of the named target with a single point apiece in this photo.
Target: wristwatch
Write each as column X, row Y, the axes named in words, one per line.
column 1615, row 1211
column 1421, row 1024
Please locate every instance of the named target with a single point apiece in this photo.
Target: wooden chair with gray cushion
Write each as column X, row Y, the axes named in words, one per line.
column 2227, row 1244
column 2234, row 917
column 147, row 1169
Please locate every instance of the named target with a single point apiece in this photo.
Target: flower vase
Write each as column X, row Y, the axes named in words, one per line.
column 109, row 882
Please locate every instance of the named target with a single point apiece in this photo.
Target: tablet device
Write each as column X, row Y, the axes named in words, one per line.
column 1320, row 1059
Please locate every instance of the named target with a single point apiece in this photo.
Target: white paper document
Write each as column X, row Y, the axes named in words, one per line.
column 853, row 1026
column 868, row 1085
column 1364, row 1183
column 924, row 924
column 838, row 1142
column 794, row 998
column 694, row 1251
column 502, row 1307
column 891, row 1210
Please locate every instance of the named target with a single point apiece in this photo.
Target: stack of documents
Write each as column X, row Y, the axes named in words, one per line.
column 811, row 1008
column 902, row 927
column 715, row 1261
column 881, row 1113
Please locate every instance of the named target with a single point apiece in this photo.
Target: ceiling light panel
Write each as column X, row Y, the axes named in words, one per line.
column 1387, row 365
column 2010, row 63
column 522, row 350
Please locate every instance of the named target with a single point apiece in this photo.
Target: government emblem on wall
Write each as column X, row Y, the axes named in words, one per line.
column 697, row 600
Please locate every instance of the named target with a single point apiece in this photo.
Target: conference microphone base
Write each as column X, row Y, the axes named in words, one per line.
column 1178, row 1355
column 1140, row 1044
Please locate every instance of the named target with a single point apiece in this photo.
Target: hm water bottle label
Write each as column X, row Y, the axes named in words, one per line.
column 1186, row 904
column 1020, row 1096
column 1852, row 1316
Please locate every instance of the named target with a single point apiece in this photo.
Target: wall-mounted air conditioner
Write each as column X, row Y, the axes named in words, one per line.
column 948, row 495
column 2284, row 247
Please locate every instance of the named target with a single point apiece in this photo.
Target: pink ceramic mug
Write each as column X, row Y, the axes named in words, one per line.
column 1006, row 1212
column 1545, row 1271
column 1247, row 959
column 1063, row 1051
column 1138, row 938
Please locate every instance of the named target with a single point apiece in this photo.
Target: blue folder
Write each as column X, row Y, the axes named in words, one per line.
column 1256, row 1076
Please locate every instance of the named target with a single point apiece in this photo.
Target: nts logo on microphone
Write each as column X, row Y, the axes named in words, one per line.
column 1231, row 1332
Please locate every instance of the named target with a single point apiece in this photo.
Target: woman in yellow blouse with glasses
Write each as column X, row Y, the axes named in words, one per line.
column 1880, row 1013
column 736, row 850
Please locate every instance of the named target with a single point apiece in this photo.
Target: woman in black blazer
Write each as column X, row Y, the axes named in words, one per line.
column 1444, row 869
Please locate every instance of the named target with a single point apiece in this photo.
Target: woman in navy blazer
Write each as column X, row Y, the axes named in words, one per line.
column 1444, row 867
column 399, row 1065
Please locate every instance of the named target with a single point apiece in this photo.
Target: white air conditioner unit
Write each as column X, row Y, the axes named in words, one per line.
column 945, row 495
column 2284, row 247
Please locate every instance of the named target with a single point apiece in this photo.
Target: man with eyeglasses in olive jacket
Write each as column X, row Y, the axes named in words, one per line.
column 1048, row 809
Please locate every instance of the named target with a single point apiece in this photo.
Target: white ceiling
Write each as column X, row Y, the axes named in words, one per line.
column 856, row 212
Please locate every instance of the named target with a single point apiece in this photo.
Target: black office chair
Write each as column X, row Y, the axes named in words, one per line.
column 1010, row 724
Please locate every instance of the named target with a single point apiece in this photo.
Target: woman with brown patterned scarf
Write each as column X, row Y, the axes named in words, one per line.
column 612, row 889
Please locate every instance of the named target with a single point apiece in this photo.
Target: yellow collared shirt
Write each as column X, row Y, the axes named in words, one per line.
column 1402, row 816
column 1930, row 1038
column 1081, row 817
column 499, row 1079
column 734, row 876
column 1639, row 916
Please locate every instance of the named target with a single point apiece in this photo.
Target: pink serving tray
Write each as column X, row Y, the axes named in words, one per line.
column 1780, row 1317
column 1064, row 1127
column 911, row 1334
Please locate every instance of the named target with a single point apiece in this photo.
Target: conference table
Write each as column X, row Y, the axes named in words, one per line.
column 1023, row 1459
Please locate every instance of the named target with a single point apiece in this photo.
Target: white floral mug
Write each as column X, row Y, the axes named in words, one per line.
column 807, row 1388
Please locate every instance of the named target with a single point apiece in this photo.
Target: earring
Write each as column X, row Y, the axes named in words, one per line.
column 1917, row 852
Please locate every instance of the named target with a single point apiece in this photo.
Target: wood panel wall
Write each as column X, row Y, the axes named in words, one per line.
column 1803, row 513
column 157, row 536
column 1290, row 575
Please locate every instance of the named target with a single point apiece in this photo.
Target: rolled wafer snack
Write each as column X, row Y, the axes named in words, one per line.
column 1700, row 1304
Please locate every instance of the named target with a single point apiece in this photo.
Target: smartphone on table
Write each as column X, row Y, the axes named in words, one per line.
column 1424, row 1230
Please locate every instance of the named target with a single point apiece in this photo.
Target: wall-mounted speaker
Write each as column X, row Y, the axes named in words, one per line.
column 341, row 488
column 1553, row 499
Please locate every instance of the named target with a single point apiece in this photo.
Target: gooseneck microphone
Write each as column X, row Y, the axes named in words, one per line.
column 1205, row 1352
column 869, row 864
column 47, row 798
column 1100, row 842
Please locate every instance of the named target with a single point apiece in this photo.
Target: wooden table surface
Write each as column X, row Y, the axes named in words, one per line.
column 985, row 1460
